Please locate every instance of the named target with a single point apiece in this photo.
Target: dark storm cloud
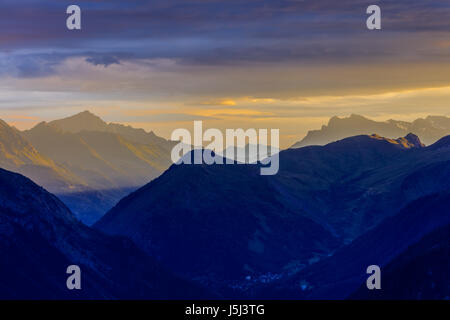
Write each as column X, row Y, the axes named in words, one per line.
column 213, row 32
column 104, row 59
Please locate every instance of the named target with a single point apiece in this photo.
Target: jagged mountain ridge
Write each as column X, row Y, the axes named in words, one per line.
column 429, row 130
column 88, row 163
column 87, row 121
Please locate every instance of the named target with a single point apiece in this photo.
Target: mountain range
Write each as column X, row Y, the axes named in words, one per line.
column 192, row 231
column 429, row 130
column 238, row 229
column 88, row 163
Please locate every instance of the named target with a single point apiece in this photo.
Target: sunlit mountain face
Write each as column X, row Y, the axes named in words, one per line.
column 88, row 163
column 92, row 94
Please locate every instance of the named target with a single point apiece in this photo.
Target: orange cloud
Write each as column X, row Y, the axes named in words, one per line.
column 225, row 102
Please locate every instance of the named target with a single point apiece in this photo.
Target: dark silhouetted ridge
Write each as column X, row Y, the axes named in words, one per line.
column 322, row 198
column 40, row 238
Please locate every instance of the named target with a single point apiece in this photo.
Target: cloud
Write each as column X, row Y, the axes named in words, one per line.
column 276, row 59
column 223, row 32
column 224, row 102
column 164, row 117
column 103, row 60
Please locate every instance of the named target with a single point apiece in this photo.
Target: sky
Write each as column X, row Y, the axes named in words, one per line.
column 162, row 64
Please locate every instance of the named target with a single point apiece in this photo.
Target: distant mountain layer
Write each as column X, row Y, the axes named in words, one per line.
column 429, row 130
column 17, row 154
column 238, row 228
column 40, row 238
column 86, row 121
column 101, row 159
column 88, row 163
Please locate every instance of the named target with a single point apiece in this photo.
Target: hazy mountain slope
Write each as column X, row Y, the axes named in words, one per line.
column 83, row 121
column 421, row 272
column 87, row 121
column 71, row 151
column 321, row 198
column 17, row 154
column 108, row 160
column 40, row 238
column 429, row 129
column 104, row 158
column 338, row 276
